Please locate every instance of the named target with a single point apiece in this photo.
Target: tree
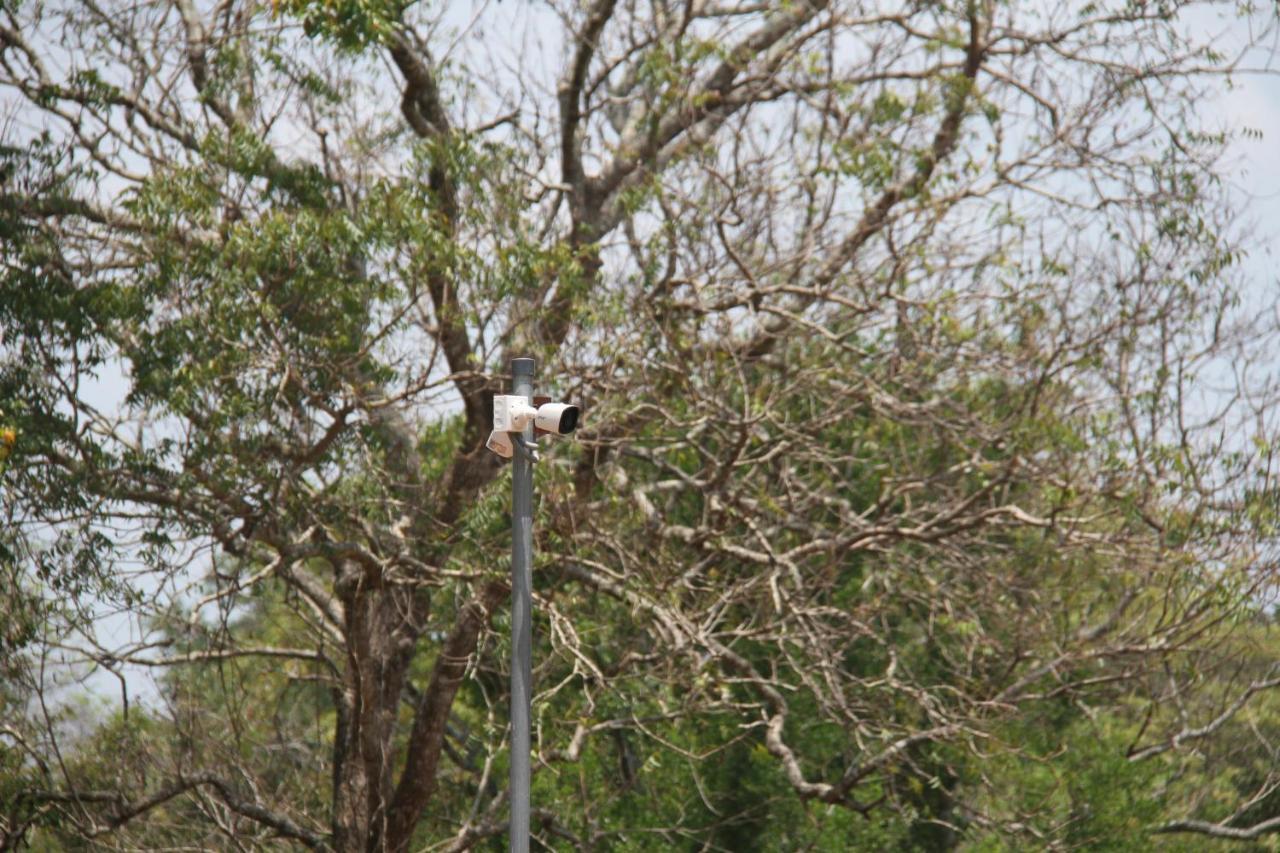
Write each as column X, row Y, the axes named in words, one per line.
column 896, row 332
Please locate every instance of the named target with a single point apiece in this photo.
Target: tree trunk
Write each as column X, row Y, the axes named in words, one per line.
column 381, row 629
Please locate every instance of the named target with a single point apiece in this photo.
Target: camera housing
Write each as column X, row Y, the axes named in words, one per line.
column 511, row 412
column 500, row 443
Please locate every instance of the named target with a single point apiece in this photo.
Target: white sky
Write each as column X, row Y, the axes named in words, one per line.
column 1251, row 100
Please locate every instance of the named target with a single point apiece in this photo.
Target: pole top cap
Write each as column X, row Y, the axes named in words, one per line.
column 523, row 366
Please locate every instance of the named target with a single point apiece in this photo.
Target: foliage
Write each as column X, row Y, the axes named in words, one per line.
column 909, row 512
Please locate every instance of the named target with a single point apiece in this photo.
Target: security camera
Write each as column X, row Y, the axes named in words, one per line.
column 513, row 413
column 500, row 443
column 557, row 418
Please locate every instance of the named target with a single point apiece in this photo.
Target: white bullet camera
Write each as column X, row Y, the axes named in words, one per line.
column 557, row 418
column 512, row 413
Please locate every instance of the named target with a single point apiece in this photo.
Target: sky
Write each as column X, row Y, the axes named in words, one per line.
column 1252, row 100
column 1254, row 173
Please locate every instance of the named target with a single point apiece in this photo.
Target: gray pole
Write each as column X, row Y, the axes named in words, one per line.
column 522, row 370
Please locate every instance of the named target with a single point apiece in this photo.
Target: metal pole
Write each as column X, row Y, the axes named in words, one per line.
column 522, row 370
